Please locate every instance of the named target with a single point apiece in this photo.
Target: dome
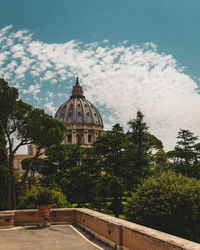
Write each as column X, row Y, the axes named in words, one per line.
column 78, row 110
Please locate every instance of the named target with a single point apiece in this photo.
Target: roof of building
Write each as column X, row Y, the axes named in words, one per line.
column 78, row 110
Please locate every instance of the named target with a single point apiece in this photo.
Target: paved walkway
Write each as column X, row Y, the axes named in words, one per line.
column 55, row 237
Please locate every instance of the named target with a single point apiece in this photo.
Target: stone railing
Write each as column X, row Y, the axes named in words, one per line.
column 119, row 234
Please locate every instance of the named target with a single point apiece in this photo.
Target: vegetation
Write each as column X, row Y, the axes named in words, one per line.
column 70, row 168
column 167, row 202
column 43, row 196
column 140, row 154
column 110, row 149
column 160, row 187
column 186, row 155
column 29, row 126
column 4, row 173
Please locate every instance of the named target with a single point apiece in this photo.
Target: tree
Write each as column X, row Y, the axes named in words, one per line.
column 186, row 155
column 140, row 152
column 33, row 177
column 71, row 168
column 167, row 202
column 110, row 149
column 43, row 131
column 8, row 97
column 4, row 173
column 29, row 126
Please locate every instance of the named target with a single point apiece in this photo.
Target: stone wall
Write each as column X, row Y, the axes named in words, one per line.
column 119, row 234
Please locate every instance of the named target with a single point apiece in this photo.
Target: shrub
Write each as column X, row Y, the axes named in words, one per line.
column 38, row 194
column 44, row 196
column 167, row 202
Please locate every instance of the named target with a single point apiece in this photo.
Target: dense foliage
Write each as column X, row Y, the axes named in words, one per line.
column 72, row 168
column 4, row 173
column 29, row 126
column 119, row 165
column 167, row 202
column 42, row 196
column 186, row 154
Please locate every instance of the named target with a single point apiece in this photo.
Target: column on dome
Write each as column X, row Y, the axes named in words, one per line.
column 65, row 140
column 73, row 136
column 95, row 135
column 92, row 140
column 85, row 137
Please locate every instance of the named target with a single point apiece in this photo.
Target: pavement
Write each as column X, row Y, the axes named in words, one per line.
column 55, row 237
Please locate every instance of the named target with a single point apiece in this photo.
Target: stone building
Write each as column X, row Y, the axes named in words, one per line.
column 80, row 117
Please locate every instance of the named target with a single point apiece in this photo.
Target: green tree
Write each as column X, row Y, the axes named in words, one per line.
column 167, row 202
column 29, row 126
column 43, row 131
column 33, row 177
column 140, row 154
column 8, row 97
column 71, row 167
column 4, row 173
column 110, row 149
column 186, row 154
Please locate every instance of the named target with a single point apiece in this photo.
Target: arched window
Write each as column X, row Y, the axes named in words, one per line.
column 69, row 138
column 89, row 138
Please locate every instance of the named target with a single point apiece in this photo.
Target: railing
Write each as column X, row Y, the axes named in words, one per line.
column 119, row 234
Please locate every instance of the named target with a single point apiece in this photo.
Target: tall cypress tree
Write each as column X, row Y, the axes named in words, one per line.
column 4, row 173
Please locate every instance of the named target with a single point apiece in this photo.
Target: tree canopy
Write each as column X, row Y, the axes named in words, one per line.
column 186, row 155
column 26, row 124
column 167, row 202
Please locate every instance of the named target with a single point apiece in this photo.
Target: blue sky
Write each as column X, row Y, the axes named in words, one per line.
column 130, row 55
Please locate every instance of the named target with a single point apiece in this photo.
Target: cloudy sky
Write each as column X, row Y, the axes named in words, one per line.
column 129, row 55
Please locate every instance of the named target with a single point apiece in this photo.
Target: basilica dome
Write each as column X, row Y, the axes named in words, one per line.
column 78, row 109
column 80, row 116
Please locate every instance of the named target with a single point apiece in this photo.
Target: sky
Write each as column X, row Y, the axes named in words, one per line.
column 130, row 55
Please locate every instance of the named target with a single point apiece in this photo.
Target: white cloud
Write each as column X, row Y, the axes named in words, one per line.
column 50, row 94
column 34, row 90
column 48, row 76
column 50, row 107
column 122, row 78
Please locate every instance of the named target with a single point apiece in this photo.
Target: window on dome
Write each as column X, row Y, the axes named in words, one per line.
column 78, row 105
column 79, row 113
column 88, row 113
column 89, row 138
column 69, row 138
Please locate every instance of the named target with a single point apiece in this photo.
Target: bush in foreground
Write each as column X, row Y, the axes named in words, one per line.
column 31, row 199
column 169, row 203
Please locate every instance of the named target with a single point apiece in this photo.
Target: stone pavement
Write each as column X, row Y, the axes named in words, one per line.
column 55, row 237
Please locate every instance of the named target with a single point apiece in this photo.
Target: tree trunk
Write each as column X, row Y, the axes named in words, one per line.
column 12, row 182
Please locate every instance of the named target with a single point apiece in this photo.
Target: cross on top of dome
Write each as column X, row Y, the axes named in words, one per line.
column 77, row 89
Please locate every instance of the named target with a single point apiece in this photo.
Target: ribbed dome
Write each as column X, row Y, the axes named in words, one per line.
column 78, row 109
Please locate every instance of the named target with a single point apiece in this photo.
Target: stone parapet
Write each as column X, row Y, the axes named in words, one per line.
column 119, row 234
column 7, row 218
